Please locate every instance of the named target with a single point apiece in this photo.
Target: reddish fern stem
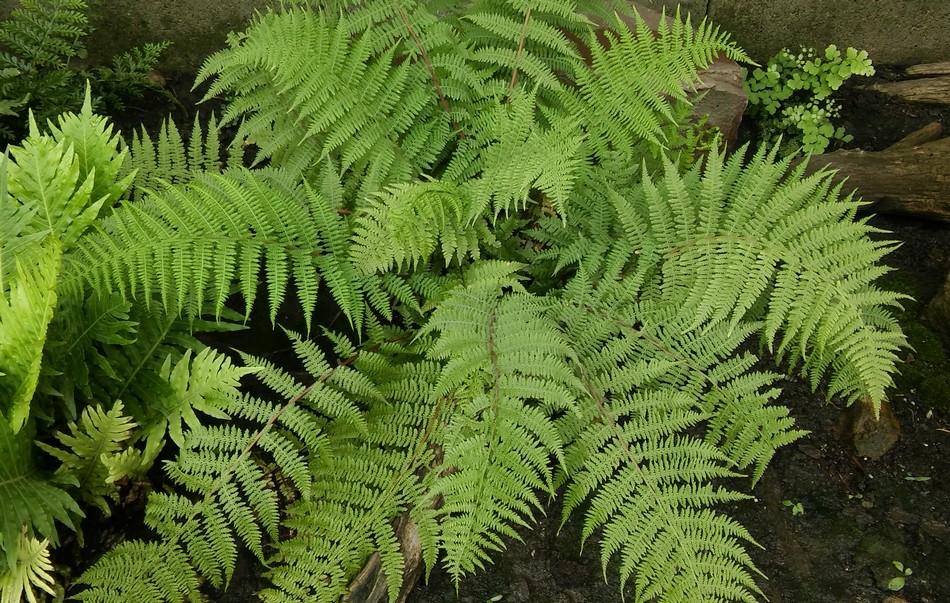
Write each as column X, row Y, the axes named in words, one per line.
column 428, row 63
column 514, row 72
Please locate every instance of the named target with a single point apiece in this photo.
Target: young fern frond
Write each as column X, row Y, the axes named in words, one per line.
column 99, row 436
column 32, row 570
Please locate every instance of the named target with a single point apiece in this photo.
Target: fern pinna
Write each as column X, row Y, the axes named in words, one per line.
column 544, row 299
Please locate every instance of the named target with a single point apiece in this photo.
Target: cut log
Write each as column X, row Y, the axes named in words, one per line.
column 935, row 90
column 929, row 69
column 909, row 180
column 931, row 131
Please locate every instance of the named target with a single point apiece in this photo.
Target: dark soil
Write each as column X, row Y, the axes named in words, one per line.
column 857, row 516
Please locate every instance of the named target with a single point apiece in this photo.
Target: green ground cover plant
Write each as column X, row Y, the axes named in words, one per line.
column 41, row 52
column 544, row 297
column 791, row 98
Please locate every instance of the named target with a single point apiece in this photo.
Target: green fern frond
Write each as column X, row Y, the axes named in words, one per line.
column 205, row 384
column 140, row 571
column 407, row 224
column 26, row 309
column 189, row 244
column 364, row 480
column 46, row 174
column 303, row 78
column 625, row 94
column 32, row 570
column 797, row 235
column 170, row 158
column 36, row 47
column 27, row 498
column 511, row 156
column 506, row 375
column 97, row 152
column 98, row 437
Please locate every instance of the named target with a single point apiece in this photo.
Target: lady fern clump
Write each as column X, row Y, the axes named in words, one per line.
column 544, row 299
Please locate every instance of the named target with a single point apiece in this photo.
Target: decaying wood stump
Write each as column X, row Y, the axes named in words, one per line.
column 369, row 586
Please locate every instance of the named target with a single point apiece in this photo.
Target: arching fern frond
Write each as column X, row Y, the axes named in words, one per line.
column 188, row 244
column 633, row 454
column 506, row 375
column 625, row 94
column 309, row 90
column 756, row 242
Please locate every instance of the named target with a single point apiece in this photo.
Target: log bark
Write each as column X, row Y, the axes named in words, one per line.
column 908, row 180
column 369, row 586
column 930, row 69
column 935, row 90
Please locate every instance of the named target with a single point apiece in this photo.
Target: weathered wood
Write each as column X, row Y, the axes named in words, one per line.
column 929, row 69
column 369, row 586
column 934, row 90
column 906, row 180
column 931, row 131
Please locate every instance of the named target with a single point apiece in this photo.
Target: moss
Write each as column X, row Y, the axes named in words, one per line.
column 926, row 369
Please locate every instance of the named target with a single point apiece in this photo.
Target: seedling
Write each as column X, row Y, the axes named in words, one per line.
column 796, row 507
column 897, row 583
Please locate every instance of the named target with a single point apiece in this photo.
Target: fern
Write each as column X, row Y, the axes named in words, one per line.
column 170, row 159
column 796, row 235
column 544, row 292
column 27, row 499
column 187, row 245
column 32, row 570
column 330, row 90
column 25, row 313
column 89, row 449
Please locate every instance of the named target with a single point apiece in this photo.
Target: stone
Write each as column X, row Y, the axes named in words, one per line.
column 871, row 437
